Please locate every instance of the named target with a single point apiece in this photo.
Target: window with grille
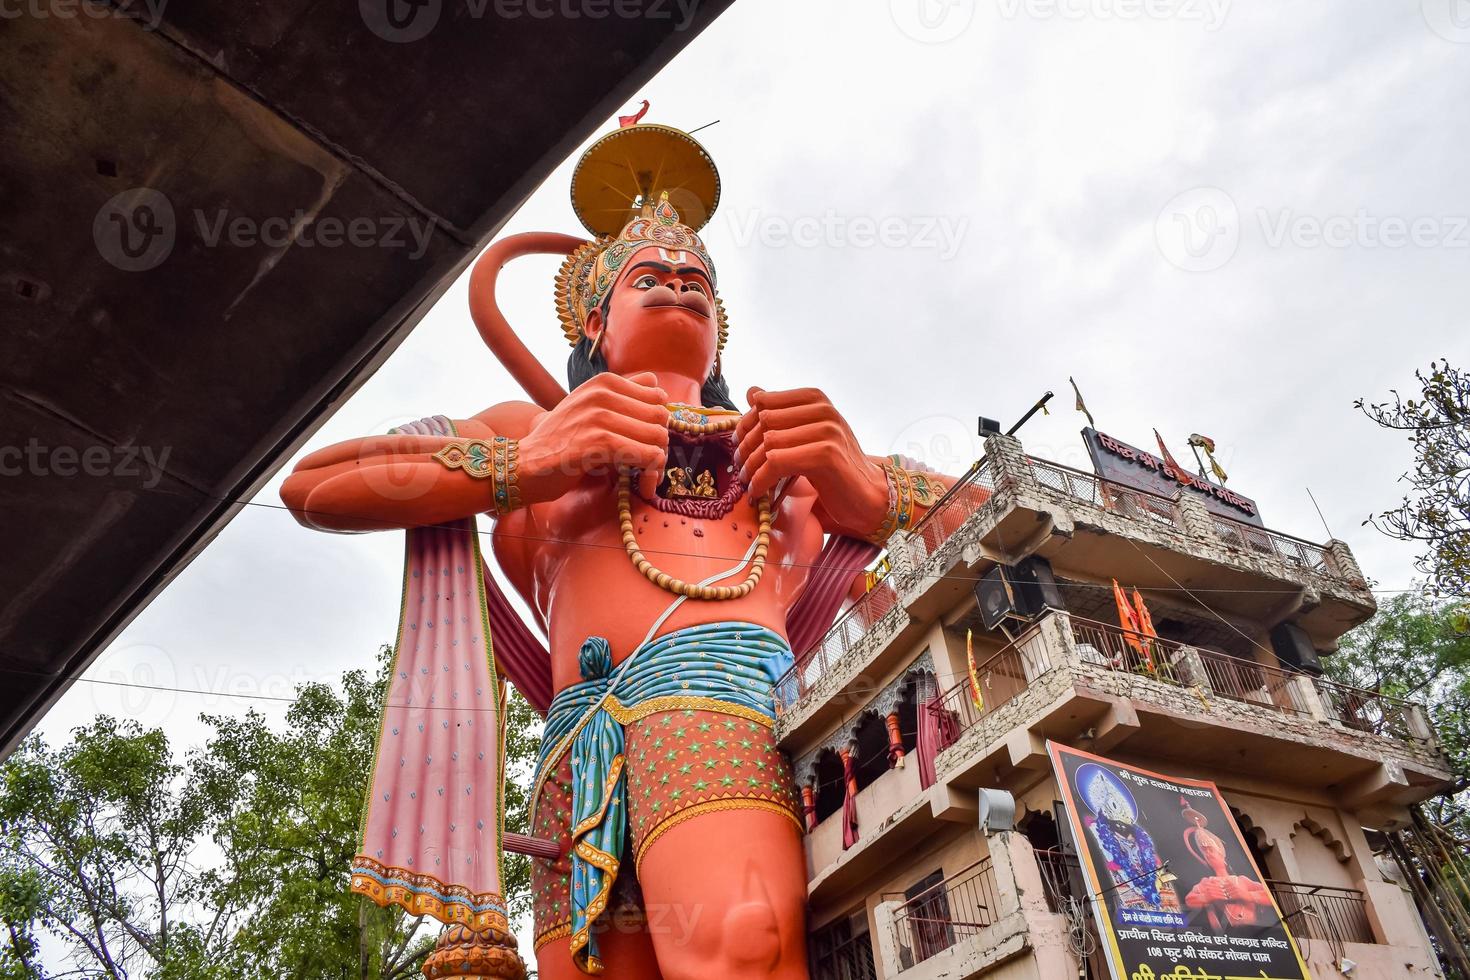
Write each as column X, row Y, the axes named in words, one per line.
column 843, row 950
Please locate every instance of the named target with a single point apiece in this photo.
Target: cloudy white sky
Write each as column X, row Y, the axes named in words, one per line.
column 1221, row 217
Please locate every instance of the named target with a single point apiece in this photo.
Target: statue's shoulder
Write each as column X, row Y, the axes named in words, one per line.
column 510, row 419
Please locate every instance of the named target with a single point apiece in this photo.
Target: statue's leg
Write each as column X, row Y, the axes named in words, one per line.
column 718, row 849
column 726, row 894
column 624, row 944
column 626, row 955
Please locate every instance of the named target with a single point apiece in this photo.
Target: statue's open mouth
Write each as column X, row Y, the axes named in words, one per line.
column 700, row 478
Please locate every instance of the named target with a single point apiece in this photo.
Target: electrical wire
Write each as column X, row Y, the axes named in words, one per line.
column 618, row 546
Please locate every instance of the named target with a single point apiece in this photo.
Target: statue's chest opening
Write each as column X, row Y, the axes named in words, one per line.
column 700, row 478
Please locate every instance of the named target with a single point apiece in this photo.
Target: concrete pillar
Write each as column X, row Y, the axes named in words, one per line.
column 1018, row 885
column 1193, row 517
column 1304, row 692
column 1009, row 467
column 1344, row 565
column 883, row 920
column 1058, row 645
column 902, row 558
column 1418, row 723
column 1189, row 669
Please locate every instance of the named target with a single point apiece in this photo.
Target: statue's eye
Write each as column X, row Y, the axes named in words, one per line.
column 645, row 282
column 693, row 287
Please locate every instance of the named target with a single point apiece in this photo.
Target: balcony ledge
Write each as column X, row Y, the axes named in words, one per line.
column 1362, row 769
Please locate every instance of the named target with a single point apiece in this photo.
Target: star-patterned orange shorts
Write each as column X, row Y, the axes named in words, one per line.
column 680, row 764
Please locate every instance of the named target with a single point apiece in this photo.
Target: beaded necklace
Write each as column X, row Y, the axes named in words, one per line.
column 695, row 422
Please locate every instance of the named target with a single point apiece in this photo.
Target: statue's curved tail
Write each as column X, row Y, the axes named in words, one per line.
column 508, row 348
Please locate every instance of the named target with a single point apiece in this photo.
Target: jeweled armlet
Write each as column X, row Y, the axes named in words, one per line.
column 494, row 460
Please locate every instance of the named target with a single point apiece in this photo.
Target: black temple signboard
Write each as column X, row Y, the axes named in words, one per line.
column 1128, row 466
column 1174, row 889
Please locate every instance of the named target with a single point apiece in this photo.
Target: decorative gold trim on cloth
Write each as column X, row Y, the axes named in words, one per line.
column 421, row 894
column 712, row 806
column 624, row 715
column 559, row 931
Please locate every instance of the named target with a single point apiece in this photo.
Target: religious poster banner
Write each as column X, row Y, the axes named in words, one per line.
column 1117, row 462
column 1173, row 886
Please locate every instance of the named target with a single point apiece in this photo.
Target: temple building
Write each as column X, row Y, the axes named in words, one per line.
column 994, row 627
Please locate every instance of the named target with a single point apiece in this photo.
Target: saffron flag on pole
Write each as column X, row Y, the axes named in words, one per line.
column 1208, row 445
column 974, row 678
column 1128, row 619
column 1172, row 469
column 1145, row 626
column 1082, row 405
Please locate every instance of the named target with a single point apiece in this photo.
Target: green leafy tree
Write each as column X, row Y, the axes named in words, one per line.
column 97, row 841
column 232, row 864
column 1436, row 511
column 1419, row 648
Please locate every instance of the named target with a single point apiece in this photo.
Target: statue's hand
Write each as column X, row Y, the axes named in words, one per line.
column 605, row 425
column 799, row 433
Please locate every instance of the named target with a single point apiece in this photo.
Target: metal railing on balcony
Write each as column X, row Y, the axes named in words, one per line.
column 1273, row 544
column 1066, row 894
column 1228, row 676
column 943, row 914
column 1208, row 672
column 1056, row 877
column 1325, row 912
column 969, row 493
column 998, row 679
column 1368, row 711
column 814, row 663
column 1139, row 504
column 1089, row 489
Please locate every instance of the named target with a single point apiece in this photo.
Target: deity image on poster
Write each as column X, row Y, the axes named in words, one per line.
column 1143, row 885
column 1174, row 889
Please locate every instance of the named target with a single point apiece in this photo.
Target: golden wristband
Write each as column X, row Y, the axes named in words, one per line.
column 907, row 492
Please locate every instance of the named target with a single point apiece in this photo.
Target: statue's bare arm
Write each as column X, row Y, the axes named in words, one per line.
column 393, row 481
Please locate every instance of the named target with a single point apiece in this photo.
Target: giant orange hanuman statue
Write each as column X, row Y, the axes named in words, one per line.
column 665, row 543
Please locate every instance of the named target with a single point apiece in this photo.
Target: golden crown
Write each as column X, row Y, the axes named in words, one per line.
column 624, row 183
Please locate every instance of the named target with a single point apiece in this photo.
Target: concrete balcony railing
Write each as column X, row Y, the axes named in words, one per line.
column 976, row 921
column 1207, row 674
column 982, row 495
column 1007, row 475
column 941, row 915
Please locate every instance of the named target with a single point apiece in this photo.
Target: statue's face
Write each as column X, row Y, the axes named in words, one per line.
column 660, row 315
